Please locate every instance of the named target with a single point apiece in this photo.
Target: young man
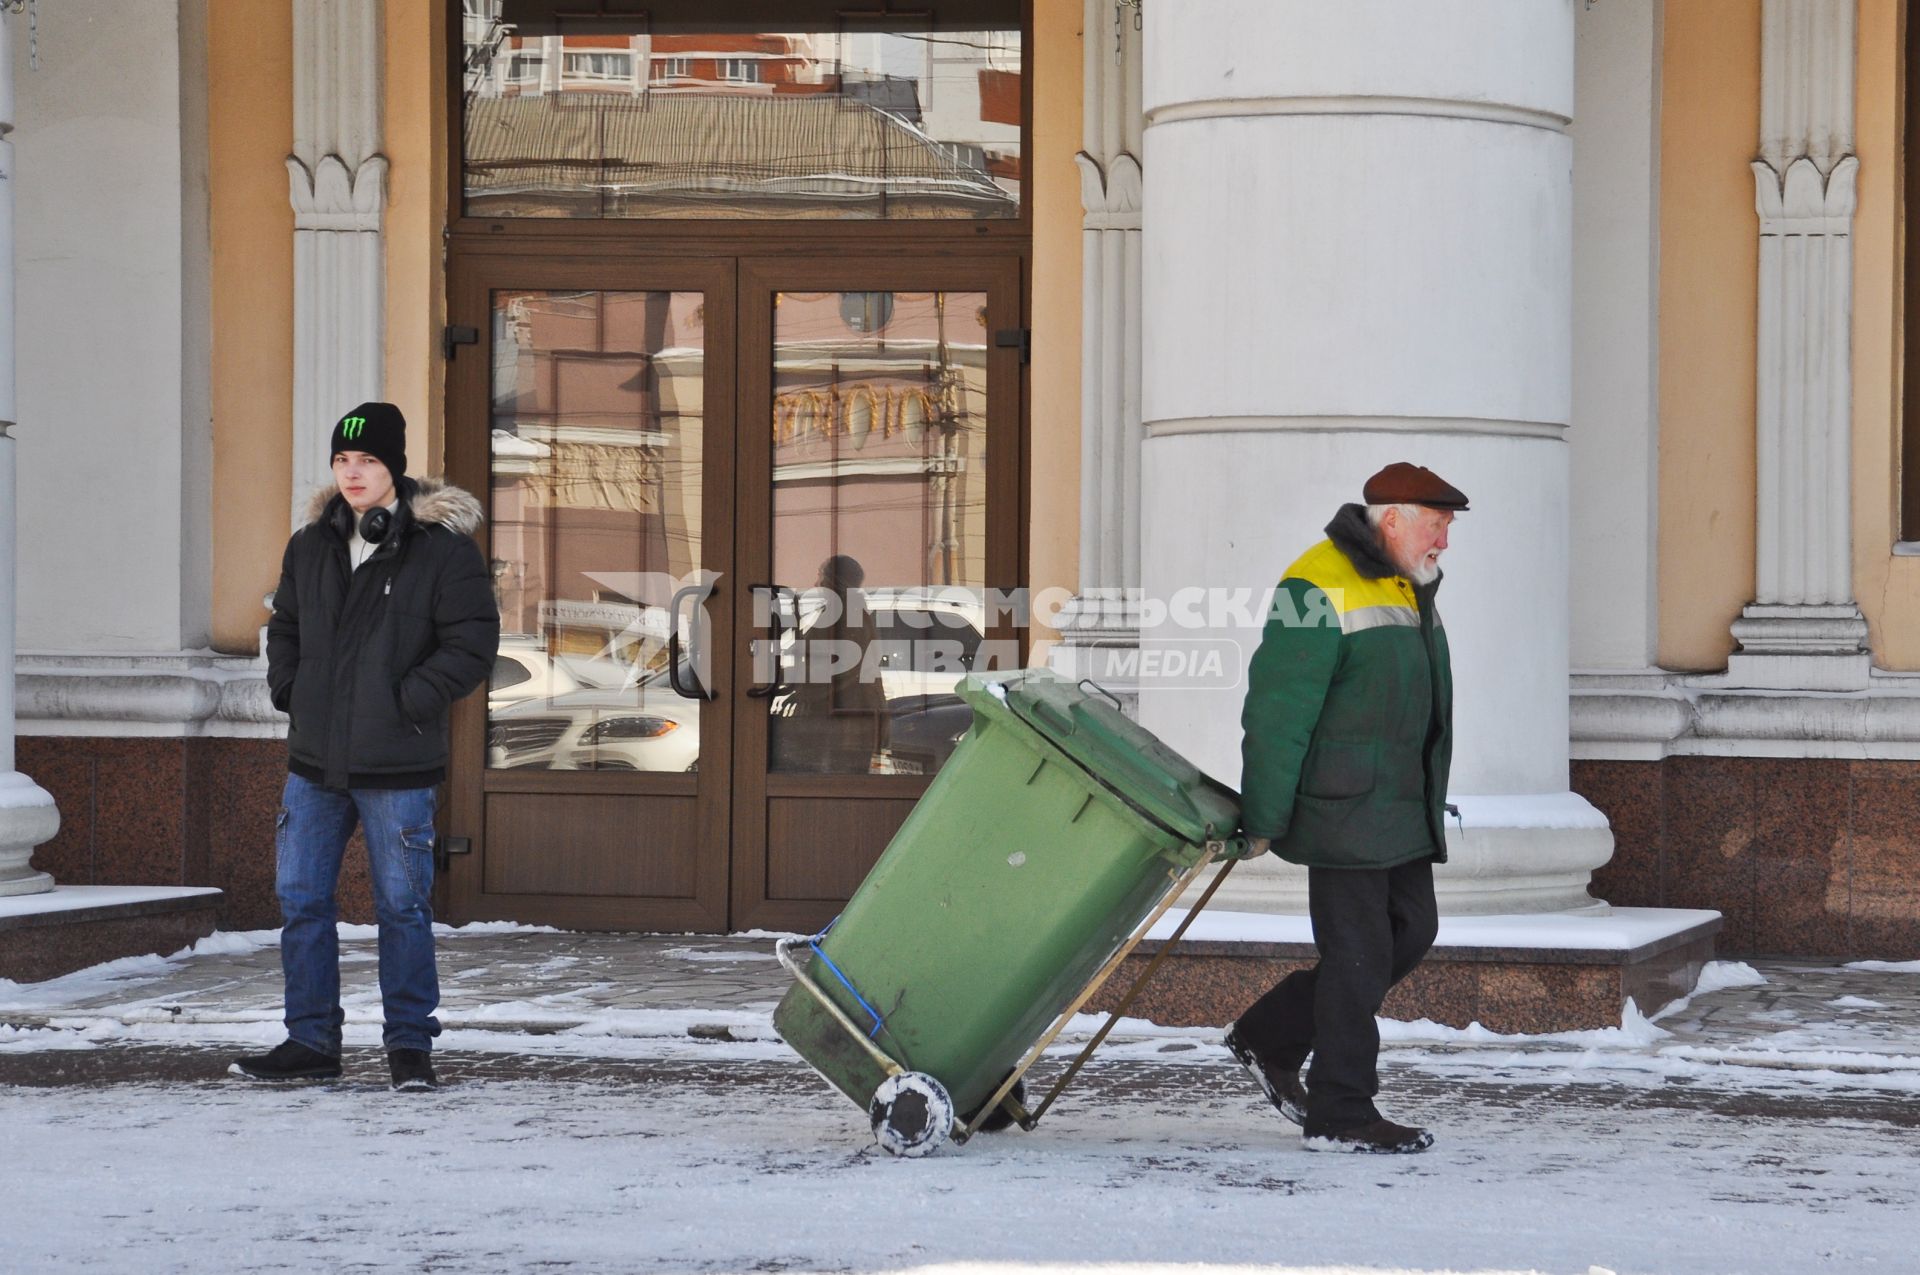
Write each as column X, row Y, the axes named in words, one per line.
column 385, row 616
column 1349, row 737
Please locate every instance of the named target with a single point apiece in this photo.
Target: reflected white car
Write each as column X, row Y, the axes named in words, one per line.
column 643, row 727
column 921, row 635
column 523, row 670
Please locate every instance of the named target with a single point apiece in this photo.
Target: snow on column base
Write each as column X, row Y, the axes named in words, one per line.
column 28, row 818
column 1506, row 855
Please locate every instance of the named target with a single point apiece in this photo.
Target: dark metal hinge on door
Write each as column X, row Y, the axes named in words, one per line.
column 452, row 336
column 1020, row 339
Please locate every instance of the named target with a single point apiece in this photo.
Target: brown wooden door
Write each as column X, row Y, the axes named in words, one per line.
column 660, row 442
column 595, row 418
column 879, row 501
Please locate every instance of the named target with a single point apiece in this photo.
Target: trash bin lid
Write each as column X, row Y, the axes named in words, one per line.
column 1086, row 724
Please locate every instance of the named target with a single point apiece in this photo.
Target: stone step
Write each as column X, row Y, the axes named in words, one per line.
column 1552, row 972
column 70, row 927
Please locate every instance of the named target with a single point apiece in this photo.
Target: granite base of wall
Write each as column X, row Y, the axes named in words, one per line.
column 43, row 947
column 175, row 812
column 1502, row 991
column 1804, row 857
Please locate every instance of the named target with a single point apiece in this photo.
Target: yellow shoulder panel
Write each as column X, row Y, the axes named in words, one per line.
column 1333, row 573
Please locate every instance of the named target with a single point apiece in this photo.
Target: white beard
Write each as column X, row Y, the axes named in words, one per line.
column 1424, row 572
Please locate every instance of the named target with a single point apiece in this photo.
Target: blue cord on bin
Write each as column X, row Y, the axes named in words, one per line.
column 874, row 1014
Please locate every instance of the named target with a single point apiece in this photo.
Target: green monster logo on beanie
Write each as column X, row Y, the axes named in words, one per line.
column 378, row 429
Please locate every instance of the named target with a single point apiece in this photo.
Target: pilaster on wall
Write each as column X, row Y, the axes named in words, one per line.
column 1100, row 628
column 338, row 184
column 1803, row 630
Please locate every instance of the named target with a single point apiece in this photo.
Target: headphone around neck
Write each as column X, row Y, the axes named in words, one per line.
column 375, row 524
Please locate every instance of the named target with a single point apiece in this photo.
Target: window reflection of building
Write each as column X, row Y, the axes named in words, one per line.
column 809, row 124
column 596, row 446
column 879, row 457
column 879, row 439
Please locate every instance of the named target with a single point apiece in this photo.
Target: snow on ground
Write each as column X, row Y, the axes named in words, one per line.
column 596, row 1124
column 741, row 1165
column 1718, row 976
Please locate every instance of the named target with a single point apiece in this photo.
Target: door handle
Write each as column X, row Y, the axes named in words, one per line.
column 693, row 689
column 774, row 591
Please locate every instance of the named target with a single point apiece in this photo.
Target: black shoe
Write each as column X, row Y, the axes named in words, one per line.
column 1380, row 1137
column 411, row 1069
column 1281, row 1084
column 288, row 1060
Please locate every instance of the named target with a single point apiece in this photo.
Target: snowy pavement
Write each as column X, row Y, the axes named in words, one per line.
column 618, row 1104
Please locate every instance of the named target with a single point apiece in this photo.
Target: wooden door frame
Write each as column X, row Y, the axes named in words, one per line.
column 1001, row 275
column 473, row 279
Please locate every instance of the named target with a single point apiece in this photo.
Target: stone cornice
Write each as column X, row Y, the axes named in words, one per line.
column 1614, row 716
column 174, row 694
column 1656, row 714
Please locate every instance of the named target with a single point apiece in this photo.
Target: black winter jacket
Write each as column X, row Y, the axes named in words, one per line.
column 366, row 663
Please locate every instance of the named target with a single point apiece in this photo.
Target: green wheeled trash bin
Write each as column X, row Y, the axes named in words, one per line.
column 1054, row 836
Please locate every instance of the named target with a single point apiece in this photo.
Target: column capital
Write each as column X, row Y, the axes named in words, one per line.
column 1110, row 193
column 1803, row 200
column 334, row 196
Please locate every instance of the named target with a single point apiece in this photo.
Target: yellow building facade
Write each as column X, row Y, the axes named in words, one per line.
column 688, row 294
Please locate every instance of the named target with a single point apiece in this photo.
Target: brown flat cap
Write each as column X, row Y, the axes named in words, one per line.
column 1404, row 484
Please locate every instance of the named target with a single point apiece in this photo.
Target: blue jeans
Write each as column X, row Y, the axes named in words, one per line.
column 314, row 825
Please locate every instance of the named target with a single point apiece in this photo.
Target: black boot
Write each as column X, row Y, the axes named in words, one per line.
column 1380, row 1137
column 288, row 1060
column 411, row 1069
column 1281, row 1084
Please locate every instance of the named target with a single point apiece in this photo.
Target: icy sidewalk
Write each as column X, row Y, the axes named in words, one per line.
column 524, row 989
column 502, row 986
column 617, row 1104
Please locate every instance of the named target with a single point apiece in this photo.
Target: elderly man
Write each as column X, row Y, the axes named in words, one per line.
column 1349, row 734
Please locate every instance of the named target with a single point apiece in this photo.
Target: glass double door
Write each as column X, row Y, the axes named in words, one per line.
column 749, row 522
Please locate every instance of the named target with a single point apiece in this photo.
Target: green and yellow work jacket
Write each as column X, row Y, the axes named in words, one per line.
column 1349, row 711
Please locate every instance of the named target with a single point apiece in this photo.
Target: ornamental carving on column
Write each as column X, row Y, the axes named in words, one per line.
column 337, row 182
column 1110, row 193
column 1803, row 630
column 330, row 196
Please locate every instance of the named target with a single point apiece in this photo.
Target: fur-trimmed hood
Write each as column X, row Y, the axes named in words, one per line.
column 1355, row 536
column 428, row 500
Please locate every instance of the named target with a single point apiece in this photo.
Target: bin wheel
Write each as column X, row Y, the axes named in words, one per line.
column 911, row 1114
column 999, row 1119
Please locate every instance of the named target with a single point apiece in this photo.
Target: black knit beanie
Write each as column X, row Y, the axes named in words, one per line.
column 379, row 430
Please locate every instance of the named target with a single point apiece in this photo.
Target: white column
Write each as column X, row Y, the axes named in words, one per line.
column 1359, row 250
column 338, row 184
column 1613, row 439
column 28, row 816
column 1100, row 627
column 1803, row 631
